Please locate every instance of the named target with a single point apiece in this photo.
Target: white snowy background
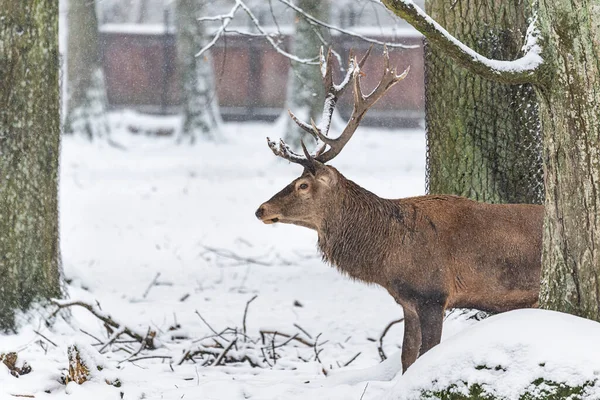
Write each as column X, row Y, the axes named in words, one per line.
column 157, row 234
column 144, row 206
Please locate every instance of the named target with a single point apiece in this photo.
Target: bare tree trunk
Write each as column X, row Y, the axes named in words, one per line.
column 201, row 116
column 86, row 103
column 484, row 139
column 570, row 93
column 305, row 90
column 29, row 151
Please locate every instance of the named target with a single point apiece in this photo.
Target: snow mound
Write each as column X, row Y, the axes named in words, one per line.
column 508, row 355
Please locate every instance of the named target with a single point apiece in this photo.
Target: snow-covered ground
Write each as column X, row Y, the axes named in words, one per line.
column 143, row 209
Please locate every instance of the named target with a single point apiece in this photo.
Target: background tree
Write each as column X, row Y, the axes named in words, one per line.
column 567, row 84
column 29, row 152
column 305, row 91
column 200, row 106
column 86, row 91
column 484, row 139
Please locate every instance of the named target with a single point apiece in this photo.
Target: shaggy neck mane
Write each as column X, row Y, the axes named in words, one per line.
column 356, row 226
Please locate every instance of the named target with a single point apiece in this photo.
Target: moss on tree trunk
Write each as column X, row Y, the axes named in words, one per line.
column 570, row 94
column 29, row 152
column 484, row 139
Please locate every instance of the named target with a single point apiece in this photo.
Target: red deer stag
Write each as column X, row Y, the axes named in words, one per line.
column 431, row 252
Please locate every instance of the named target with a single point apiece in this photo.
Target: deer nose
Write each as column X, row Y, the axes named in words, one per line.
column 260, row 212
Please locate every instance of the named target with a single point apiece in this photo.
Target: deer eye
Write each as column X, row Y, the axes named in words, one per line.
column 303, row 186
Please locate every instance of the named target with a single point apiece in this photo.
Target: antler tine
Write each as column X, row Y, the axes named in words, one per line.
column 282, row 150
column 362, row 103
column 306, row 127
column 316, row 130
column 364, row 58
column 326, row 69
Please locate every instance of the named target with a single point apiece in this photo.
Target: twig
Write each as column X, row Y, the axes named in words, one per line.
column 112, row 338
column 207, row 324
column 108, row 321
column 352, row 359
column 315, row 348
column 314, row 21
column 152, row 284
column 385, row 331
column 224, row 353
column 364, row 391
column 299, row 339
column 233, row 256
column 245, row 313
column 303, row 331
column 48, row 340
column 148, row 357
column 92, row 336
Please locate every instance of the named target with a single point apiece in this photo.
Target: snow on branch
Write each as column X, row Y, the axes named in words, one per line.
column 272, row 38
column 522, row 70
column 314, row 21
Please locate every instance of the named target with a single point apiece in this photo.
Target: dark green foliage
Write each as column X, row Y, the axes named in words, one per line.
column 551, row 391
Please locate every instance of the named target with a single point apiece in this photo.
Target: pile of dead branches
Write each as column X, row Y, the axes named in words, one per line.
column 228, row 346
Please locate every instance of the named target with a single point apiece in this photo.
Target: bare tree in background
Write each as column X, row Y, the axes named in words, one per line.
column 305, row 88
column 29, row 152
column 201, row 116
column 86, row 91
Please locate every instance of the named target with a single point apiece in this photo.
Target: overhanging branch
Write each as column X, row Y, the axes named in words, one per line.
column 522, row 70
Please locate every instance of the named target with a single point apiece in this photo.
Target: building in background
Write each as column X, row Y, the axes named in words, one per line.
column 139, row 54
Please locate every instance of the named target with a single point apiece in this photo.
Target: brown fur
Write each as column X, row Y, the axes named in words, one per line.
column 430, row 252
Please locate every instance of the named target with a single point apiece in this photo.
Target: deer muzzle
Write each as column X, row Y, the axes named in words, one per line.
column 266, row 216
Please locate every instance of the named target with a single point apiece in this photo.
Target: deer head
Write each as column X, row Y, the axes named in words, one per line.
column 304, row 201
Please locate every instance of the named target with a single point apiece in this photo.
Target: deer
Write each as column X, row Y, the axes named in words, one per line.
column 431, row 253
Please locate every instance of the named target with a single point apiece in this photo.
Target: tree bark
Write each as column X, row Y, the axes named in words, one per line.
column 86, row 99
column 305, row 92
column 570, row 94
column 568, row 87
column 484, row 139
column 29, row 152
column 201, row 116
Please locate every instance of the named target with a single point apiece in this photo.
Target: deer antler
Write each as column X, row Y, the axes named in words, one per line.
column 333, row 92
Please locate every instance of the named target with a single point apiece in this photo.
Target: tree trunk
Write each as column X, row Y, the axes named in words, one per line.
column 201, row 116
column 484, row 140
column 29, row 152
column 568, row 87
column 305, row 92
column 570, row 94
column 86, row 102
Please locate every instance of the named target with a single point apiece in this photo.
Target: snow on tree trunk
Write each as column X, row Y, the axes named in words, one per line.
column 484, row 140
column 305, row 92
column 29, row 152
column 201, row 116
column 570, row 94
column 86, row 102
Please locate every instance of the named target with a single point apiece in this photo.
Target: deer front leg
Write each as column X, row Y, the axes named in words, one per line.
column 412, row 337
column 431, row 317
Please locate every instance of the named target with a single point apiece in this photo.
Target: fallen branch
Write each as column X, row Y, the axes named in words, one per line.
column 385, row 331
column 246, row 312
column 148, row 339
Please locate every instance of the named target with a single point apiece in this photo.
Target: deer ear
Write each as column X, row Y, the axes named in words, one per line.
column 325, row 175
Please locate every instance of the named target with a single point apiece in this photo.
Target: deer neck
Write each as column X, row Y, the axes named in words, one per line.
column 355, row 230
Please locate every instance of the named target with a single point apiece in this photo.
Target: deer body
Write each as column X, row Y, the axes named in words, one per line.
column 430, row 253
